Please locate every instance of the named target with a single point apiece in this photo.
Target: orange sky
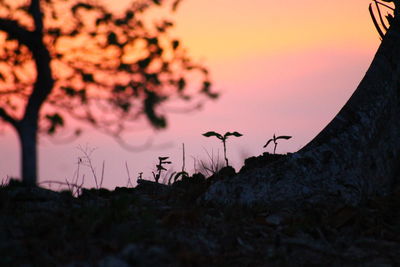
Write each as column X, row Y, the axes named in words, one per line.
column 226, row 29
column 282, row 67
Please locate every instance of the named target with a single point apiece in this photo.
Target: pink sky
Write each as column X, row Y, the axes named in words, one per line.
column 284, row 68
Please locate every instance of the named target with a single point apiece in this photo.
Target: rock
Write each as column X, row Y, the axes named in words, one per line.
column 139, row 255
column 111, row 261
column 355, row 157
column 225, row 172
column 274, row 220
column 260, row 161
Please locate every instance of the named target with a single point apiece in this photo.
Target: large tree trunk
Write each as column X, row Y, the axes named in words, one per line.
column 354, row 157
column 27, row 133
column 27, row 126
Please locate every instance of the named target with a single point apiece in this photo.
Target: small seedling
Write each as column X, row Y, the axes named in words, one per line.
column 160, row 167
column 223, row 139
column 274, row 139
column 182, row 173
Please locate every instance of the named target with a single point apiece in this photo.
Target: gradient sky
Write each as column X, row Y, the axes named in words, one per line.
column 282, row 67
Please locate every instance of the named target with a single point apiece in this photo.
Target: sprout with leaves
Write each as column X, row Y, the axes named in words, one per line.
column 223, row 139
column 160, row 167
column 275, row 138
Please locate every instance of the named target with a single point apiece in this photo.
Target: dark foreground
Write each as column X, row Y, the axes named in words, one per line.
column 157, row 225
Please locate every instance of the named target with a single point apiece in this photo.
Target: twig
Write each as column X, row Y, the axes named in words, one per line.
column 183, row 155
column 69, row 185
column 214, row 164
column 81, row 185
column 77, row 171
column 129, row 176
column 87, row 153
column 194, row 164
column 102, row 173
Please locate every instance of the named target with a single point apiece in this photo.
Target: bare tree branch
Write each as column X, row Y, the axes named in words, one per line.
column 16, row 31
column 37, row 15
column 8, row 118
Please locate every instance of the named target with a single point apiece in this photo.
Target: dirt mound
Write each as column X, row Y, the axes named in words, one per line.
column 162, row 225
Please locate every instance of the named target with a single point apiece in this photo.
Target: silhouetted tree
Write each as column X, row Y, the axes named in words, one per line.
column 356, row 156
column 78, row 59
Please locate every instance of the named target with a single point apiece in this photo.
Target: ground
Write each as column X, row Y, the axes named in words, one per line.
column 159, row 225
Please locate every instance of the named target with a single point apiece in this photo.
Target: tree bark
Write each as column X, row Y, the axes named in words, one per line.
column 27, row 127
column 354, row 157
column 27, row 133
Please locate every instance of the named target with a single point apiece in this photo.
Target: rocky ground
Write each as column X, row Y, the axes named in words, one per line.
column 159, row 225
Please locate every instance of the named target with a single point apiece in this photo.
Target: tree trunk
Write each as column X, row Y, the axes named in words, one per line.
column 354, row 157
column 27, row 133
column 27, row 127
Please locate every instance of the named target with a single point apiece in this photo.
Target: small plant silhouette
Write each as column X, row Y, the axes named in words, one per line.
column 182, row 173
column 275, row 138
column 223, row 139
column 160, row 167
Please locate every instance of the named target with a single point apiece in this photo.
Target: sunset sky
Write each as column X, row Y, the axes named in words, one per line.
column 281, row 67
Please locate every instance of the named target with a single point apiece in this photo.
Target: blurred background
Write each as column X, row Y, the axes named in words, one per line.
column 284, row 68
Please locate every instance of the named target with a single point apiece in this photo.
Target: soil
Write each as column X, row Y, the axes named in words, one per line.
column 159, row 225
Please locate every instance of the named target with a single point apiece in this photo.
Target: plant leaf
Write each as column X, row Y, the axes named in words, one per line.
column 55, row 120
column 81, row 5
column 87, row 77
column 233, row 133
column 160, row 167
column 269, row 141
column 175, row 44
column 283, row 137
column 211, row 133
